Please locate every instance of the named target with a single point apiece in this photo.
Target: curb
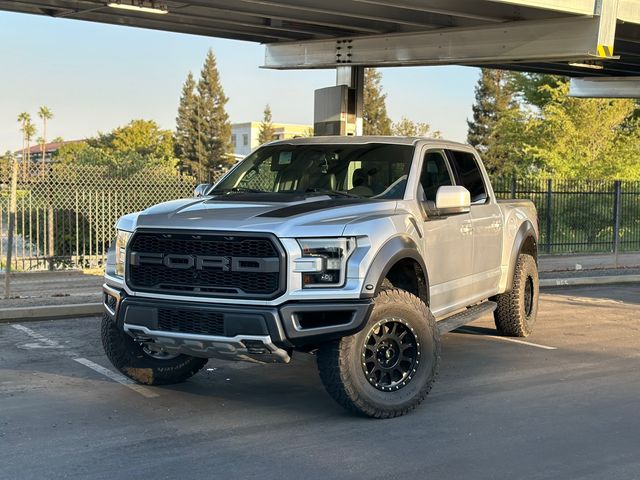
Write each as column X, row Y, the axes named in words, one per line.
column 578, row 281
column 55, row 312
column 50, row 312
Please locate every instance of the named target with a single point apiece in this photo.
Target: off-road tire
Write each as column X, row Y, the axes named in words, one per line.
column 129, row 358
column 518, row 308
column 340, row 362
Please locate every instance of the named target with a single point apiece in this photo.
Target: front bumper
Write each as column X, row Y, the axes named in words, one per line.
column 265, row 334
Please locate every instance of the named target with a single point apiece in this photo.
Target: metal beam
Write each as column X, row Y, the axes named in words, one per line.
column 610, row 87
column 580, row 7
column 563, row 39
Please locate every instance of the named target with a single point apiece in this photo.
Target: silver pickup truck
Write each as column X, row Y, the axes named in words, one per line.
column 360, row 250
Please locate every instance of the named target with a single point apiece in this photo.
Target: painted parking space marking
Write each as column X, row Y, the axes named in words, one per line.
column 116, row 377
column 506, row 339
column 44, row 342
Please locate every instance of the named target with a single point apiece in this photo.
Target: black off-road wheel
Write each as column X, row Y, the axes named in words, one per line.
column 517, row 309
column 143, row 365
column 389, row 367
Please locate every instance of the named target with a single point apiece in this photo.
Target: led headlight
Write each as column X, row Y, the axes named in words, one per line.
column 324, row 261
column 122, row 239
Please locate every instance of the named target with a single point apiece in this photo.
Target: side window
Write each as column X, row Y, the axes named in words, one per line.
column 469, row 175
column 434, row 175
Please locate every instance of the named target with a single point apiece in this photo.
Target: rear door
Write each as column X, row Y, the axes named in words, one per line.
column 486, row 222
column 448, row 239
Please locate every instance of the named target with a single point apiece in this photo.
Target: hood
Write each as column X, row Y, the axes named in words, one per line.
column 293, row 217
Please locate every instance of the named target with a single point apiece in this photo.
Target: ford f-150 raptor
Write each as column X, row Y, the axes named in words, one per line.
column 361, row 250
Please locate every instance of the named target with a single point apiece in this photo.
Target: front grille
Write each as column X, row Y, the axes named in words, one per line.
column 191, row 321
column 212, row 265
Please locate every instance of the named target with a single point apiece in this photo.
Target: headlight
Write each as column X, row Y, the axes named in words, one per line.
column 122, row 239
column 324, row 261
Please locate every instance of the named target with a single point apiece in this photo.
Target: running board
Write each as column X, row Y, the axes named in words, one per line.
column 467, row 316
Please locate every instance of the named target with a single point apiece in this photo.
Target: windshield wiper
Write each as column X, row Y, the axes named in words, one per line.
column 223, row 191
column 331, row 193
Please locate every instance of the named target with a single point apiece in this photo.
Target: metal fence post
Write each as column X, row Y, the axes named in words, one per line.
column 549, row 215
column 12, row 225
column 617, row 203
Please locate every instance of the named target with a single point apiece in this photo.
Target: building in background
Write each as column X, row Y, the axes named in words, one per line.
column 244, row 136
column 35, row 151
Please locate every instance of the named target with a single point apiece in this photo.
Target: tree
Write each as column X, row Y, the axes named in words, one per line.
column 375, row 119
column 266, row 127
column 213, row 130
column 585, row 138
column 138, row 145
column 534, row 89
column 493, row 97
column 185, row 137
column 45, row 114
column 28, row 130
column 409, row 128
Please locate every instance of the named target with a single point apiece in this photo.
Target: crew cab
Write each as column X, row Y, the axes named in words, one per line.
column 360, row 250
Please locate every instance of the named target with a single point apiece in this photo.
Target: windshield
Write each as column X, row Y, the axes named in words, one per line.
column 374, row 170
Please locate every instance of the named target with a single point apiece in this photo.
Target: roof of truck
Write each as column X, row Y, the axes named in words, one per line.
column 338, row 140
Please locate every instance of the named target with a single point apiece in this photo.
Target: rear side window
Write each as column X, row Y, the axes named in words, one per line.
column 468, row 175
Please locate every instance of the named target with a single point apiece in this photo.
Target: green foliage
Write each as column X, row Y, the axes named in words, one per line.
column 585, row 138
column 548, row 133
column 138, row 145
column 375, row 119
column 212, row 127
column 534, row 89
column 185, row 136
column 408, row 128
column 493, row 100
column 266, row 126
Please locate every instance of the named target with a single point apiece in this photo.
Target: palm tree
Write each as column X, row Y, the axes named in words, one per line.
column 24, row 118
column 45, row 114
column 29, row 133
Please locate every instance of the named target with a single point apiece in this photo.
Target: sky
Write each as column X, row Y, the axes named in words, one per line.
column 96, row 77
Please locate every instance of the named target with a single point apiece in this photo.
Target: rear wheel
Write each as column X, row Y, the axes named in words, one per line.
column 517, row 310
column 389, row 367
column 142, row 364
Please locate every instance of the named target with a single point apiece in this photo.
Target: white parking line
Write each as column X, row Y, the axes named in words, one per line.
column 44, row 342
column 116, row 377
column 507, row 339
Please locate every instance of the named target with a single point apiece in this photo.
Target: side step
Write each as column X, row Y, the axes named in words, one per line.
column 467, row 316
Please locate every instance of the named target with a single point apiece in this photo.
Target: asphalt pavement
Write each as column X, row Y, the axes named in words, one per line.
column 564, row 404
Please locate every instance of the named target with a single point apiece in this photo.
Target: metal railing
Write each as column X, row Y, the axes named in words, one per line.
column 65, row 216
column 580, row 216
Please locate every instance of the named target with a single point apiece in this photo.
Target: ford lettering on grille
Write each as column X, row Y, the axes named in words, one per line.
column 202, row 262
column 213, row 265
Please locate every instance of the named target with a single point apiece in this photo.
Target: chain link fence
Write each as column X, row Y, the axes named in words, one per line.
column 580, row 216
column 65, row 216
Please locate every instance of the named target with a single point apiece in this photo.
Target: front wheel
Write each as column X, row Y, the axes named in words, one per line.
column 389, row 367
column 517, row 309
column 143, row 365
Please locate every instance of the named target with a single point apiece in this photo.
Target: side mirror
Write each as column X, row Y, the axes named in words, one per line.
column 452, row 199
column 201, row 189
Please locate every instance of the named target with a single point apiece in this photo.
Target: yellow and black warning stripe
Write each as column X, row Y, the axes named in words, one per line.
column 605, row 51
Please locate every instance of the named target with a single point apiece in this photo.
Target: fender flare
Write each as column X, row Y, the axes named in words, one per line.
column 525, row 231
column 396, row 249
